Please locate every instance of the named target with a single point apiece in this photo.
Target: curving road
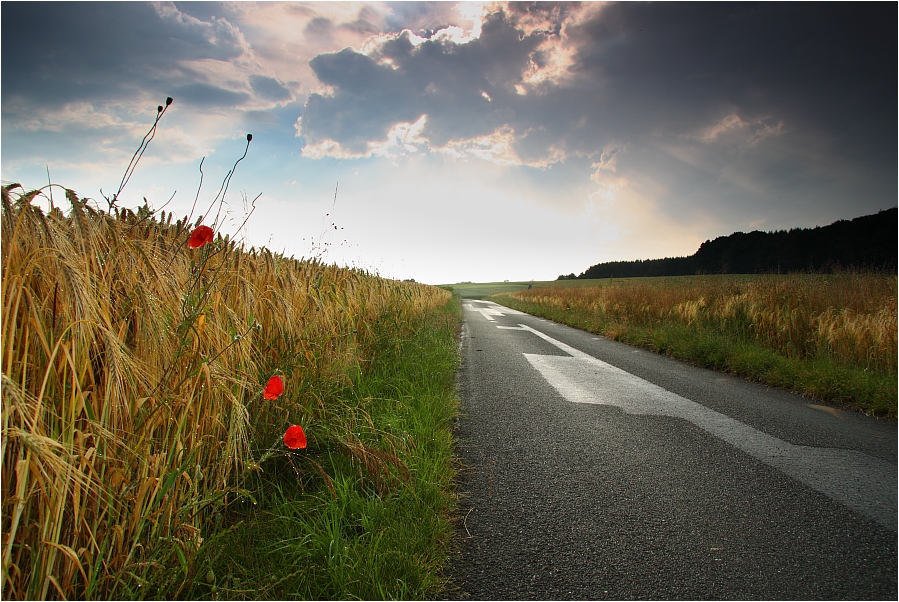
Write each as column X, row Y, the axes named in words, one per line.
column 595, row 470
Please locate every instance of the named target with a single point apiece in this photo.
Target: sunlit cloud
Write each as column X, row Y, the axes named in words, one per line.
column 496, row 148
column 736, row 129
column 401, row 140
column 552, row 62
column 445, row 75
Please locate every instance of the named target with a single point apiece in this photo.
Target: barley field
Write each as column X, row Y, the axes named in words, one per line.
column 139, row 385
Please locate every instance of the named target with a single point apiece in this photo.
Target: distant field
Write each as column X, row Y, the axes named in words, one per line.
column 828, row 336
column 482, row 290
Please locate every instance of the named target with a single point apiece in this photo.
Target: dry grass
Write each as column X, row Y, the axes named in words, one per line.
column 850, row 317
column 133, row 371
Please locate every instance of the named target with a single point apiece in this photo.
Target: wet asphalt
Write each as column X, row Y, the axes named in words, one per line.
column 563, row 500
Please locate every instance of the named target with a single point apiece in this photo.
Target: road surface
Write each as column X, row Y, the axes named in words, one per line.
column 596, row 470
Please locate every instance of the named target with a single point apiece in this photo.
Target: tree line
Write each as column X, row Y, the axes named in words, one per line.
column 868, row 242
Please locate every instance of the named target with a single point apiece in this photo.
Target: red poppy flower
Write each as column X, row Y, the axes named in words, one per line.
column 274, row 388
column 200, row 236
column 295, row 438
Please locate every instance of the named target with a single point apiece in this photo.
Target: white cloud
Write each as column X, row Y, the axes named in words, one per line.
column 496, row 148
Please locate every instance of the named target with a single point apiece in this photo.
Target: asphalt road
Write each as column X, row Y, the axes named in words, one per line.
column 595, row 470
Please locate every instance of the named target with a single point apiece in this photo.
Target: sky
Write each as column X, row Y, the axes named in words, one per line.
column 449, row 142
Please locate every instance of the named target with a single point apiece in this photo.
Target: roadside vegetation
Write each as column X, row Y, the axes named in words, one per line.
column 482, row 290
column 185, row 417
column 473, row 290
column 832, row 337
column 371, row 522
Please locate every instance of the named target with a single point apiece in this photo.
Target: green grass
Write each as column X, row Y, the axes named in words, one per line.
column 370, row 519
column 819, row 377
column 482, row 290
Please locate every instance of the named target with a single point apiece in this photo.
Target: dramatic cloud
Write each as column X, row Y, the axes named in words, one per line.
column 721, row 89
column 467, row 84
column 83, row 52
column 628, row 129
column 745, row 111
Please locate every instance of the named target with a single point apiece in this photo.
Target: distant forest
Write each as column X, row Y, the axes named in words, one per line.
column 868, row 242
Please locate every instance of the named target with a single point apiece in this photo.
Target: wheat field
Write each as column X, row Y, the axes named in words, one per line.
column 850, row 316
column 133, row 377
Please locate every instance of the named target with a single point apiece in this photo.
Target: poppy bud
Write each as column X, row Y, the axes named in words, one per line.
column 159, row 109
column 168, row 101
column 249, row 137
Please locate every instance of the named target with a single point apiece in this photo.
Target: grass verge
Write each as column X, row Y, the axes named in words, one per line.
column 369, row 519
column 817, row 377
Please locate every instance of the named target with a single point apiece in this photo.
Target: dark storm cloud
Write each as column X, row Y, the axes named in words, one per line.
column 638, row 68
column 740, row 102
column 62, row 52
column 675, row 65
column 360, row 78
column 743, row 108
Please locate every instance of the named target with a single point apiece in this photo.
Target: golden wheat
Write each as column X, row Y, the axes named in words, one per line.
column 132, row 383
column 851, row 317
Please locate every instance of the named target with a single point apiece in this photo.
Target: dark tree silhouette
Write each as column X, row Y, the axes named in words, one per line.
column 868, row 242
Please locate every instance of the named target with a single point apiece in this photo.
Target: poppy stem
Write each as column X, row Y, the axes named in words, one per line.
column 220, row 197
column 139, row 153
